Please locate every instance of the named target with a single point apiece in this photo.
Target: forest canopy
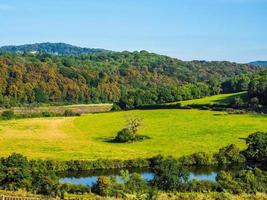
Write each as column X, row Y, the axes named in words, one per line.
column 131, row 79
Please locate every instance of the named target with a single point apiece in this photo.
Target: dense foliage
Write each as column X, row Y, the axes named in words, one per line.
column 7, row 115
column 130, row 79
column 169, row 174
column 257, row 90
column 257, row 147
column 17, row 172
column 249, row 181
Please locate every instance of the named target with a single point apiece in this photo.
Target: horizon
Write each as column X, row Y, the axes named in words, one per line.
column 221, row 30
column 138, row 51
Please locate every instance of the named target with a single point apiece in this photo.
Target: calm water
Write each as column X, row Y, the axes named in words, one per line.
column 90, row 178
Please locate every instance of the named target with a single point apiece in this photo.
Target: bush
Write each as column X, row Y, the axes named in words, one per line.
column 125, row 135
column 229, row 155
column 116, row 107
column 7, row 115
column 201, row 186
column 199, row 159
column 103, row 186
column 69, row 113
column 75, row 188
column 47, row 114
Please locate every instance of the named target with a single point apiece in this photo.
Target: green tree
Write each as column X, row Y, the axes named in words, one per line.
column 103, row 186
column 40, row 95
column 169, row 174
column 229, row 155
column 257, row 147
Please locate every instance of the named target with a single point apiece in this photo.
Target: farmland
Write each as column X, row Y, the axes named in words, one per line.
column 77, row 108
column 174, row 132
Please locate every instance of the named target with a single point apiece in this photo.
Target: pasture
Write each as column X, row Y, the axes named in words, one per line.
column 175, row 132
column 77, row 108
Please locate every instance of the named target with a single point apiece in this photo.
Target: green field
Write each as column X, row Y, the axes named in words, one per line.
column 174, row 132
column 220, row 99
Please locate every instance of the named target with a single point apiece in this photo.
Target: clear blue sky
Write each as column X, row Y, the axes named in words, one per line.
column 233, row 30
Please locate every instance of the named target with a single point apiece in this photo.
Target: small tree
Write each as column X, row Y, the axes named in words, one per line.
column 129, row 133
column 133, row 123
column 103, row 186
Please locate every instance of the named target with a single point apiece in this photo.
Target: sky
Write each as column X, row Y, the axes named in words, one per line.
column 234, row 30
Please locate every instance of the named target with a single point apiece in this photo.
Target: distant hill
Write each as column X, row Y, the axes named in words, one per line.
column 130, row 79
column 259, row 63
column 51, row 48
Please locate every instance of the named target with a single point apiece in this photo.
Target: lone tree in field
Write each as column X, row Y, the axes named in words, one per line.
column 129, row 133
column 133, row 123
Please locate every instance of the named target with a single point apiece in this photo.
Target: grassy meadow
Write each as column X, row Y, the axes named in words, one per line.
column 173, row 132
column 220, row 99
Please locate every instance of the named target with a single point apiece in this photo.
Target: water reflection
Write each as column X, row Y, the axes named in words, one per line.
column 90, row 178
column 198, row 173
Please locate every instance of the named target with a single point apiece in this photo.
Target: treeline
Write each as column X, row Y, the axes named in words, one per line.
column 51, row 48
column 128, row 79
column 256, row 87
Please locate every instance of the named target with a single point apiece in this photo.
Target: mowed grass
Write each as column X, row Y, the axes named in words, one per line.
column 173, row 132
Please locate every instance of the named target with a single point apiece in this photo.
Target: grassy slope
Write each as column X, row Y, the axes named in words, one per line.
column 221, row 99
column 172, row 132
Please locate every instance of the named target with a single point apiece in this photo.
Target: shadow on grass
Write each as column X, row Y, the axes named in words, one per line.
column 218, row 105
column 219, row 114
column 229, row 99
column 140, row 138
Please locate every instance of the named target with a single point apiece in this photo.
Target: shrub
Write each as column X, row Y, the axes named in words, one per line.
column 229, row 155
column 116, row 107
column 125, row 135
column 199, row 158
column 75, row 188
column 47, row 114
column 8, row 114
column 202, row 186
column 69, row 113
column 103, row 186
